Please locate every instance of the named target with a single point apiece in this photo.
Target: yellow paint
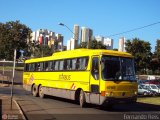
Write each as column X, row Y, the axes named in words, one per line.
column 81, row 79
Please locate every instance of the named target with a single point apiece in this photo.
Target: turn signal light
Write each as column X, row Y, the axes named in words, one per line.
column 103, row 93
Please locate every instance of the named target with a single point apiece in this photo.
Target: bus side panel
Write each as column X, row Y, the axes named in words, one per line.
column 60, row 93
column 60, row 84
column 63, row 80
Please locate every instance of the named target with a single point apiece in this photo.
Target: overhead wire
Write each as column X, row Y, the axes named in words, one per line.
column 133, row 29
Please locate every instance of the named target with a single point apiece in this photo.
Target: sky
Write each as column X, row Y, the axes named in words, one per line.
column 104, row 17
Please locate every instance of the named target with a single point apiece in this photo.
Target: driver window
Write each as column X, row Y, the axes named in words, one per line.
column 95, row 68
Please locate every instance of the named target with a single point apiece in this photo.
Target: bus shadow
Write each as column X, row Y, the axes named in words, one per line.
column 136, row 107
column 61, row 99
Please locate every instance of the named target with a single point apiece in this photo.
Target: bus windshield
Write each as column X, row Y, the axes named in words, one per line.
column 117, row 68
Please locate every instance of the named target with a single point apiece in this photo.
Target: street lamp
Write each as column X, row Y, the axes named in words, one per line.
column 75, row 36
column 61, row 24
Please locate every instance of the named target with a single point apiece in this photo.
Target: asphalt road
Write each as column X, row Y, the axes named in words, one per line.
column 63, row 109
column 53, row 108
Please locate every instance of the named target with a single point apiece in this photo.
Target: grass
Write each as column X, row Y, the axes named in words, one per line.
column 150, row 100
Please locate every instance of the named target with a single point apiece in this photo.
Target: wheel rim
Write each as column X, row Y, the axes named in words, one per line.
column 81, row 99
column 41, row 91
column 34, row 89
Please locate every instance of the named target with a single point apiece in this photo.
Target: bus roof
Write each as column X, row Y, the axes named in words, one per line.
column 79, row 53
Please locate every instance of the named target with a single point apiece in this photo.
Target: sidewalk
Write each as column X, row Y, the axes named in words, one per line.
column 23, row 108
column 6, row 112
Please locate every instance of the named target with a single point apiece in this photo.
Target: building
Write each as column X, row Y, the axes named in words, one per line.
column 99, row 38
column 90, row 34
column 84, row 34
column 105, row 41
column 46, row 37
column 71, row 44
column 68, row 45
column 109, row 43
column 121, row 46
column 59, row 41
column 76, row 34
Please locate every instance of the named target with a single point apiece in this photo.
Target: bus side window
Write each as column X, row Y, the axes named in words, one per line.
column 56, row 67
column 78, row 64
column 53, row 65
column 95, row 68
column 86, row 62
column 61, row 65
column 26, row 67
column 41, row 66
column 50, row 65
column 29, row 67
column 32, row 67
column 37, row 66
column 83, row 63
column 69, row 64
column 46, row 66
column 73, row 64
column 65, row 65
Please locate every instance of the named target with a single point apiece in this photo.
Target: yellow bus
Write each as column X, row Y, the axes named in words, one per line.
column 85, row 75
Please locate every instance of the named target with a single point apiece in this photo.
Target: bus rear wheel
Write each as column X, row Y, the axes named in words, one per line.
column 35, row 91
column 41, row 92
column 82, row 99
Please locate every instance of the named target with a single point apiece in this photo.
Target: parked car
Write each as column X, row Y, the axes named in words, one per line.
column 152, row 92
column 153, row 87
column 141, row 82
column 157, row 82
column 143, row 91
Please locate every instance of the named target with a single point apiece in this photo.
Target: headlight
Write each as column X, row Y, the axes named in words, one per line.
column 135, row 92
column 111, row 93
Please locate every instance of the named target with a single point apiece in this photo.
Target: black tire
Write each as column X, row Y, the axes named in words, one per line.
column 35, row 91
column 82, row 99
column 41, row 92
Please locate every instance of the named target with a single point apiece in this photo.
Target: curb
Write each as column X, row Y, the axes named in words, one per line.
column 20, row 110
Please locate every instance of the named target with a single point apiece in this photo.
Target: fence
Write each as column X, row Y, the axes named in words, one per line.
column 10, row 63
column 6, row 72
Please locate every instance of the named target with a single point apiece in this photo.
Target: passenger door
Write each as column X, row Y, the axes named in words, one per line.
column 95, row 81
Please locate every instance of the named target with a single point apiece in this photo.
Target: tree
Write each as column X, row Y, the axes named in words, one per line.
column 157, row 49
column 141, row 50
column 13, row 35
column 157, row 54
column 93, row 45
column 43, row 51
column 38, row 50
column 83, row 45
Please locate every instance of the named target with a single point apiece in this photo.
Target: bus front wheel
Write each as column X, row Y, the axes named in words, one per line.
column 35, row 91
column 82, row 99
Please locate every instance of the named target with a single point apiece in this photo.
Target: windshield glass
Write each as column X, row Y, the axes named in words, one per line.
column 117, row 68
column 153, row 87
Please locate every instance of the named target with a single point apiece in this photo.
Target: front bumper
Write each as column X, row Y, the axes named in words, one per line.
column 113, row 100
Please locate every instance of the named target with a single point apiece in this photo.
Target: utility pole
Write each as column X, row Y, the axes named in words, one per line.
column 14, row 62
column 3, row 71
